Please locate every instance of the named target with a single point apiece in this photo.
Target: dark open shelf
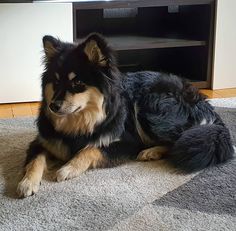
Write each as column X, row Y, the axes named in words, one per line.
column 174, row 36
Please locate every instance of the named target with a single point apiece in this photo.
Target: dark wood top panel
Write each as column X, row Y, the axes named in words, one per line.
column 136, row 3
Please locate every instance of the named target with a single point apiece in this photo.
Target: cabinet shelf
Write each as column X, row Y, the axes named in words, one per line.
column 128, row 42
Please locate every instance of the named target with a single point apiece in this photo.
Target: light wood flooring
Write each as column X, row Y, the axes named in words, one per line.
column 31, row 109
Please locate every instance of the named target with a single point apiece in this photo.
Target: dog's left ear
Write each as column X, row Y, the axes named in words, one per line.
column 51, row 46
column 97, row 50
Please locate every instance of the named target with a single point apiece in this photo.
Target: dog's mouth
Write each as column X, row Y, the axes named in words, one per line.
column 63, row 113
column 77, row 109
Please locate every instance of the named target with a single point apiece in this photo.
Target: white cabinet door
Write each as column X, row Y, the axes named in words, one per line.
column 224, row 71
column 22, row 27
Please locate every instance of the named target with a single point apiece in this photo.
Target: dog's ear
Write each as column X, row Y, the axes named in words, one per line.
column 97, row 50
column 50, row 45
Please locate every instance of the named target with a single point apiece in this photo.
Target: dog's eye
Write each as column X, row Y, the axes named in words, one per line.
column 78, row 86
column 77, row 82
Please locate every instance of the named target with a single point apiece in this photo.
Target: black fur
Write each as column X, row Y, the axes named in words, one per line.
column 170, row 111
column 200, row 147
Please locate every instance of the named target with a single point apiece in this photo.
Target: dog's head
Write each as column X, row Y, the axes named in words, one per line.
column 79, row 78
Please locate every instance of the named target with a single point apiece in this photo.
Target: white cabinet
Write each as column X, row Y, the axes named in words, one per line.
column 224, row 70
column 22, row 27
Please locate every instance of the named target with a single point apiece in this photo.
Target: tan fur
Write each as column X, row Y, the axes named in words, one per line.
column 144, row 137
column 154, row 153
column 84, row 121
column 48, row 93
column 89, row 157
column 71, row 75
column 56, row 148
column 49, row 49
column 34, row 172
column 80, row 99
column 94, row 53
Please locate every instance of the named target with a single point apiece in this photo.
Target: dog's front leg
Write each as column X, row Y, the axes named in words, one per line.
column 87, row 158
column 34, row 169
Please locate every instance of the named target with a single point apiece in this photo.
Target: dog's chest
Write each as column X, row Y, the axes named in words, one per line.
column 57, row 148
column 65, row 149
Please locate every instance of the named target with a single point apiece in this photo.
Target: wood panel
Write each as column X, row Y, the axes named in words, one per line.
column 136, row 3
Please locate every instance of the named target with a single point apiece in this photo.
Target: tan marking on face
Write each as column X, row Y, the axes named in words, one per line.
column 84, row 160
column 71, row 76
column 34, row 172
column 49, row 92
column 94, row 53
column 57, row 76
column 77, row 100
column 84, row 120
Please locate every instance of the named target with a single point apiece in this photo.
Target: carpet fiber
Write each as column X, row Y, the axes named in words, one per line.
column 134, row 196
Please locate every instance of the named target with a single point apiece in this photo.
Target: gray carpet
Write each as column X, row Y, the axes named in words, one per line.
column 135, row 196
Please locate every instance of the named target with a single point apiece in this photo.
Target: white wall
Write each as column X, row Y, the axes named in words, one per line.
column 224, row 71
column 22, row 27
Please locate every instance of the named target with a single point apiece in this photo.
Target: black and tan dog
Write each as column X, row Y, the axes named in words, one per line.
column 93, row 116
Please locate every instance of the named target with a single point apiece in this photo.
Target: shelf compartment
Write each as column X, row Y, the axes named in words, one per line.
column 187, row 62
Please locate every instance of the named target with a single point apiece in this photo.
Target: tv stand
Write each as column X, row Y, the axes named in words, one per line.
column 174, row 36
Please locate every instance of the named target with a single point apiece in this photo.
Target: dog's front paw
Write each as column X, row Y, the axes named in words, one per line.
column 66, row 172
column 27, row 187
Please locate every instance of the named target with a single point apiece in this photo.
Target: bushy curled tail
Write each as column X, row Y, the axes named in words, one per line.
column 200, row 147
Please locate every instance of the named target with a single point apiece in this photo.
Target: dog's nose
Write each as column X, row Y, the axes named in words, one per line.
column 55, row 106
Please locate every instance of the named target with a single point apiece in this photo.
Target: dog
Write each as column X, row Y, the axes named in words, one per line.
column 93, row 116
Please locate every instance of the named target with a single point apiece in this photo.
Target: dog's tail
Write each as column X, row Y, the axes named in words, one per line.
column 200, row 147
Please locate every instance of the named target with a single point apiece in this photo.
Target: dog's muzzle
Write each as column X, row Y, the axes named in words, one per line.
column 56, row 106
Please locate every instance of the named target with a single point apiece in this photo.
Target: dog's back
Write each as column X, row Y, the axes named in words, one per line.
column 170, row 111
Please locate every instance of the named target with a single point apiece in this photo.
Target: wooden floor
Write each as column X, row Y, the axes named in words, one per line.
column 31, row 109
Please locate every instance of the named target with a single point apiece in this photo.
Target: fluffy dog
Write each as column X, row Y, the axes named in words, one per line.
column 94, row 116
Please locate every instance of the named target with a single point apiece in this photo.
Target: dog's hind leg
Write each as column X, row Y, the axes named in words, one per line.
column 34, row 168
column 87, row 158
column 153, row 153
